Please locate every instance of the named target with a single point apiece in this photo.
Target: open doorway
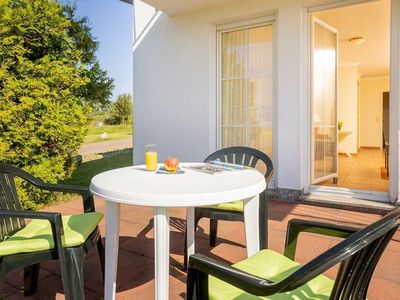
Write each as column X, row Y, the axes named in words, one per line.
column 350, row 103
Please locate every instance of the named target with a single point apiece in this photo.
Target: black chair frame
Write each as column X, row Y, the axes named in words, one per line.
column 357, row 255
column 12, row 219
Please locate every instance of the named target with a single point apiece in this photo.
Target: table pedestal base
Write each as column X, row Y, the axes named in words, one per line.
column 161, row 247
column 161, row 252
column 251, row 223
column 112, row 240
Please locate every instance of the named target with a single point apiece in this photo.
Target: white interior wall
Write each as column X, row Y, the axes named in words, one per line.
column 347, row 108
column 371, row 90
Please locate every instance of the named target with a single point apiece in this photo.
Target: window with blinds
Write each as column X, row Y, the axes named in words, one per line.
column 247, row 88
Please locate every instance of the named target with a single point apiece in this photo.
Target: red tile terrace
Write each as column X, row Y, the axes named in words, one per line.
column 135, row 279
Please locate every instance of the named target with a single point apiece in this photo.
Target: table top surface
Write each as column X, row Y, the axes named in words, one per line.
column 135, row 185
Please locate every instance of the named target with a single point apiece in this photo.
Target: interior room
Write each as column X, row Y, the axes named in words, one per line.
column 363, row 94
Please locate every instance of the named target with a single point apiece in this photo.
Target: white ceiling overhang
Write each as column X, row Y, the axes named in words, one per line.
column 176, row 7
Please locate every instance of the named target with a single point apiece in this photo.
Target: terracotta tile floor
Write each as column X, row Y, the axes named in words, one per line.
column 361, row 171
column 135, row 273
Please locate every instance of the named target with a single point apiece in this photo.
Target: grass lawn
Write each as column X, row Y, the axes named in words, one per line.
column 114, row 132
column 85, row 171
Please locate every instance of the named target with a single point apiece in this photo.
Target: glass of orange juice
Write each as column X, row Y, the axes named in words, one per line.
column 151, row 157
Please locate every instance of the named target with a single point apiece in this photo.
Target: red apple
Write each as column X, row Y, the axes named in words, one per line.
column 171, row 164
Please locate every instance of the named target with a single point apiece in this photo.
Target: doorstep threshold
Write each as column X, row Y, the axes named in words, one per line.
column 347, row 200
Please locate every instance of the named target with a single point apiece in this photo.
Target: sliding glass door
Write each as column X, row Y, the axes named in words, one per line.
column 247, row 88
column 323, row 101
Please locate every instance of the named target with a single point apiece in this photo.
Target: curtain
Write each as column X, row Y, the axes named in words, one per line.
column 247, row 88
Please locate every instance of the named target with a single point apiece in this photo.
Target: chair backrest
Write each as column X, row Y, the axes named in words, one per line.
column 9, row 199
column 245, row 156
column 358, row 255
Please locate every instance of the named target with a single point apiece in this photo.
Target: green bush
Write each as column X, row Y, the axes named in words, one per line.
column 42, row 109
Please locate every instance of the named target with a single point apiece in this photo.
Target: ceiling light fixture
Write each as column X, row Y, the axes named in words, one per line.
column 357, row 40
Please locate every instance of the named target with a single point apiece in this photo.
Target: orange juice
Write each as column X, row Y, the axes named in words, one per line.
column 151, row 161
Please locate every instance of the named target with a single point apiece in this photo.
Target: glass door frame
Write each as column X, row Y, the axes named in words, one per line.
column 313, row 21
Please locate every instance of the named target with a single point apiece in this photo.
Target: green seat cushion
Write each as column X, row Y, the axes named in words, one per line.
column 275, row 267
column 232, row 206
column 37, row 235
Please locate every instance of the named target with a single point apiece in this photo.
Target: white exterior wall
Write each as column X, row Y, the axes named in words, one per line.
column 171, row 98
column 175, row 85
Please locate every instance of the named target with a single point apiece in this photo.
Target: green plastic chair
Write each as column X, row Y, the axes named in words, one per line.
column 233, row 211
column 47, row 236
column 269, row 275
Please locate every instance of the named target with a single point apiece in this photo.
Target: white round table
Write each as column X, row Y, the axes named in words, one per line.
column 136, row 186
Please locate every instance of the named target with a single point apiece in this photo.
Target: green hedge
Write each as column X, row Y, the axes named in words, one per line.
column 42, row 119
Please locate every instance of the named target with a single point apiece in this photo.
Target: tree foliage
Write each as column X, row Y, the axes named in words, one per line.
column 121, row 110
column 98, row 90
column 43, row 80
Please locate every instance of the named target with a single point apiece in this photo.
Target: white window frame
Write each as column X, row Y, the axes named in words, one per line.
column 239, row 25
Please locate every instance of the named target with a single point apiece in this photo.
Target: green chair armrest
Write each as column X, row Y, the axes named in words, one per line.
column 80, row 190
column 29, row 214
column 87, row 196
column 296, row 226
